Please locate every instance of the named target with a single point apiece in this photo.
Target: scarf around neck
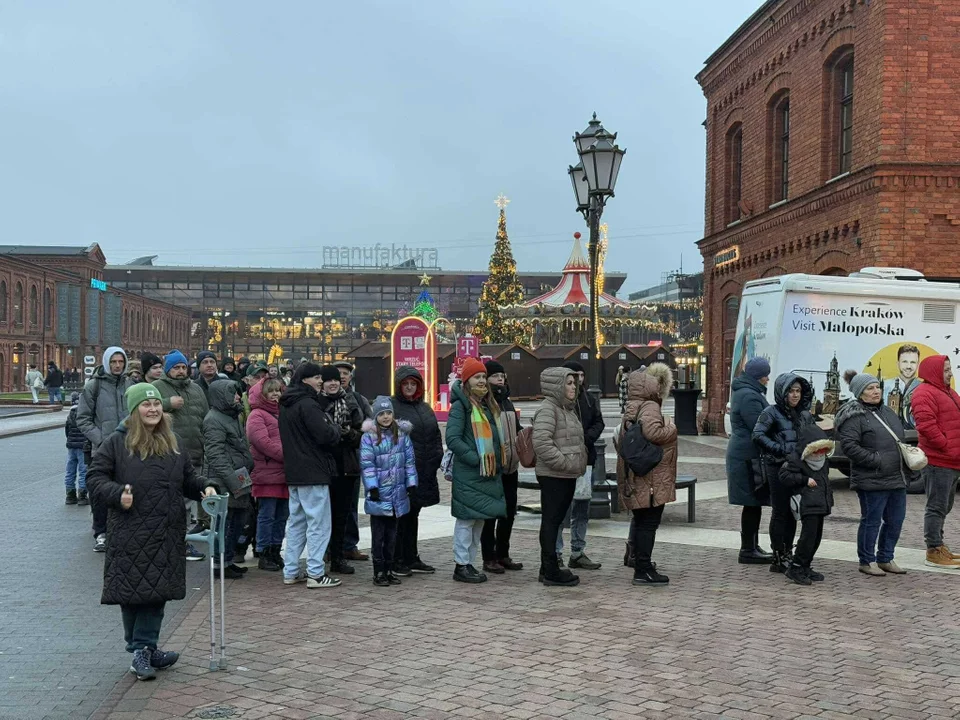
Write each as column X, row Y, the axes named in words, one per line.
column 341, row 416
column 483, row 434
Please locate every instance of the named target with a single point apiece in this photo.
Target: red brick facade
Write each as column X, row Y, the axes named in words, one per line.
column 29, row 314
column 873, row 175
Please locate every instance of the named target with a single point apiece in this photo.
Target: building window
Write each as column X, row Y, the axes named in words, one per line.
column 47, row 308
column 734, row 172
column 18, row 303
column 3, row 301
column 731, row 311
column 783, row 150
column 845, row 89
column 34, row 314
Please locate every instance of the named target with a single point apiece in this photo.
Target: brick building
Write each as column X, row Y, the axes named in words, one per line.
column 55, row 306
column 831, row 145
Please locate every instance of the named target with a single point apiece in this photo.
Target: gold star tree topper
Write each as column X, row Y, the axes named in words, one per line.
column 425, row 279
column 502, row 201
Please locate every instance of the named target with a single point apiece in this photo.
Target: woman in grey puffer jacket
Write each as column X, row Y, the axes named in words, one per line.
column 877, row 472
column 561, row 459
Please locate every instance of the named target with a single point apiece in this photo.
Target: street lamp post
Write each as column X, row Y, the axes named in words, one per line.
column 594, row 179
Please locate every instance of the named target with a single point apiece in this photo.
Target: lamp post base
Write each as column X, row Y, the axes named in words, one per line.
column 685, row 410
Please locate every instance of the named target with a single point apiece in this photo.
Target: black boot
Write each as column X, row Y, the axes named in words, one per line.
column 798, row 574
column 275, row 551
column 552, row 574
column 629, row 559
column 380, row 578
column 71, row 497
column 462, row 574
column 780, row 562
column 267, row 560
column 82, row 498
column 750, row 554
column 759, row 550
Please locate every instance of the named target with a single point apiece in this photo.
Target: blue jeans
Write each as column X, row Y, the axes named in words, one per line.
column 271, row 521
column 881, row 519
column 579, row 515
column 308, row 527
column 76, row 466
column 466, row 540
column 55, row 395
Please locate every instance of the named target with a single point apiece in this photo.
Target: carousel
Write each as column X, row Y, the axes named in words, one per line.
column 562, row 315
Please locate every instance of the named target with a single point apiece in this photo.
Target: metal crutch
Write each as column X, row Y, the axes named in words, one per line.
column 216, row 507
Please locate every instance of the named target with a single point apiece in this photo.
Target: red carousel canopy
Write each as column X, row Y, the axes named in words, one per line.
column 574, row 288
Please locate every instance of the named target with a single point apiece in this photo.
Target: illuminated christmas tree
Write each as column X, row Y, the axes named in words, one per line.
column 502, row 288
column 424, row 306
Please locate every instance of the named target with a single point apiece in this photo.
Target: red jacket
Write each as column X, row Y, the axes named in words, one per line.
column 936, row 414
column 263, row 433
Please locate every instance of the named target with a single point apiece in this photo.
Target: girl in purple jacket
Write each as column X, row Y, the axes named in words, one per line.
column 388, row 469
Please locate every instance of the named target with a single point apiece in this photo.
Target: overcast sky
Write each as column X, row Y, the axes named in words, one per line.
column 254, row 133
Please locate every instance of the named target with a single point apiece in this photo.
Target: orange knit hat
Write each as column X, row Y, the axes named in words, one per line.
column 471, row 367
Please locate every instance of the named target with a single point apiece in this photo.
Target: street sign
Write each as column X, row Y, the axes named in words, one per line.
column 89, row 360
column 88, row 371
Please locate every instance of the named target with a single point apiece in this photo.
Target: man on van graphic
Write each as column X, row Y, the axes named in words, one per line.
column 908, row 360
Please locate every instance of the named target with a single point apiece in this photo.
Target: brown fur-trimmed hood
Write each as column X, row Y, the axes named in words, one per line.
column 654, row 383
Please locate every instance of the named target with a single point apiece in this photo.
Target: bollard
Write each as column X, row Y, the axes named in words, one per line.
column 600, row 502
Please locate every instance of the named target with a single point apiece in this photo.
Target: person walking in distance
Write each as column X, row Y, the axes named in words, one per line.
column 76, row 473
column 869, row 433
column 561, row 459
column 646, row 496
column 591, row 417
column 100, row 411
column 495, row 540
column 474, row 432
column 227, row 462
column 54, row 383
column 351, row 533
column 139, row 474
column 310, row 438
column 409, row 406
column 936, row 414
column 269, row 481
column 388, row 470
column 34, row 381
column 744, row 487
column 187, row 406
column 776, row 433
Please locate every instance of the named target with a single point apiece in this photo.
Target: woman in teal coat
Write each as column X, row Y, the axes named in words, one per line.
column 473, row 436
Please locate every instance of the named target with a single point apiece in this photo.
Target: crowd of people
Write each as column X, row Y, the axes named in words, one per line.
column 293, row 450
column 778, row 457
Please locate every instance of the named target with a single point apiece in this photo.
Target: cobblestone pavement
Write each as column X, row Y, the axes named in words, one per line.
column 722, row 641
column 60, row 650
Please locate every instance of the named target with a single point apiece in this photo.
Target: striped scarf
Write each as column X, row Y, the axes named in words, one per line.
column 483, row 433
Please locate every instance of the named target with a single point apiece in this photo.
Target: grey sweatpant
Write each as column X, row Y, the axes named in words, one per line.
column 941, row 485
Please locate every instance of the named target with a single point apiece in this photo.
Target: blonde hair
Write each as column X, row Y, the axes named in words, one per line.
column 146, row 442
column 271, row 384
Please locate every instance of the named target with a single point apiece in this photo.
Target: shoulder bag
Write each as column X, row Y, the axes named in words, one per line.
column 913, row 457
column 640, row 455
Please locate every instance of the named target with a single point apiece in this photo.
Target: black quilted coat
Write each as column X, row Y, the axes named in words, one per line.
column 145, row 560
column 425, row 436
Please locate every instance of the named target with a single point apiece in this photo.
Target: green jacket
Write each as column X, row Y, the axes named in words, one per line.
column 474, row 497
column 188, row 420
column 225, row 448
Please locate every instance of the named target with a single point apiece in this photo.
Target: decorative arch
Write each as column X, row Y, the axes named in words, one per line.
column 774, row 271
column 778, row 83
column 838, row 38
column 832, row 260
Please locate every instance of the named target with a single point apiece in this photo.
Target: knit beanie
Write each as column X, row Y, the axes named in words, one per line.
column 471, row 367
column 140, row 393
column 574, row 365
column 305, row 370
column 382, row 404
column 757, row 368
column 133, row 366
column 148, row 360
column 174, row 358
column 203, row 355
column 328, row 373
column 858, row 382
column 493, row 367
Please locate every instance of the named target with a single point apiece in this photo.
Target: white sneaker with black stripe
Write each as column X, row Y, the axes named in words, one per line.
column 324, row 581
column 100, row 543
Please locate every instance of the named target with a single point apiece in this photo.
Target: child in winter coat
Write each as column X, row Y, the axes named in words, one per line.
column 805, row 473
column 388, row 468
column 76, row 475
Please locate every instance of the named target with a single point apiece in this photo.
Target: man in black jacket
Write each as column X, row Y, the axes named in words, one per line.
column 54, row 383
column 309, row 438
column 591, row 416
column 351, row 534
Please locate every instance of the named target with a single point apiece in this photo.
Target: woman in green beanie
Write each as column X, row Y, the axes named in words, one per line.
column 140, row 474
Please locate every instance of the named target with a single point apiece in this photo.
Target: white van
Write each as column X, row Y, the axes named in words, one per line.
column 881, row 321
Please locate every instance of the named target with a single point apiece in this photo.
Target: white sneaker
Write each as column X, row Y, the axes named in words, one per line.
column 100, row 545
column 298, row 578
column 324, row 581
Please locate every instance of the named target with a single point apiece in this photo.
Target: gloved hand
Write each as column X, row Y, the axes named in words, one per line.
column 375, row 494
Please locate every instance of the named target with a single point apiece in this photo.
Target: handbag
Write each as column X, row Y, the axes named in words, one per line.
column 913, row 457
column 37, row 383
column 584, row 487
column 761, row 467
column 639, row 454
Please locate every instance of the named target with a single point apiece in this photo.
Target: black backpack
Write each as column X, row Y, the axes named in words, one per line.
column 639, row 454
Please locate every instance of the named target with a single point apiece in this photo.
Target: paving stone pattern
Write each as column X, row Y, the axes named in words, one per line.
column 722, row 641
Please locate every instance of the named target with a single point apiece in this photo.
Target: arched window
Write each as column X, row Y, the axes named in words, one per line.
column 779, row 148
column 3, row 301
column 34, row 302
column 838, row 118
column 734, row 173
column 47, row 308
column 731, row 311
column 845, row 89
column 18, row 303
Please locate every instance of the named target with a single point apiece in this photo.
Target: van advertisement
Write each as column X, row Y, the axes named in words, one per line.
column 823, row 335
